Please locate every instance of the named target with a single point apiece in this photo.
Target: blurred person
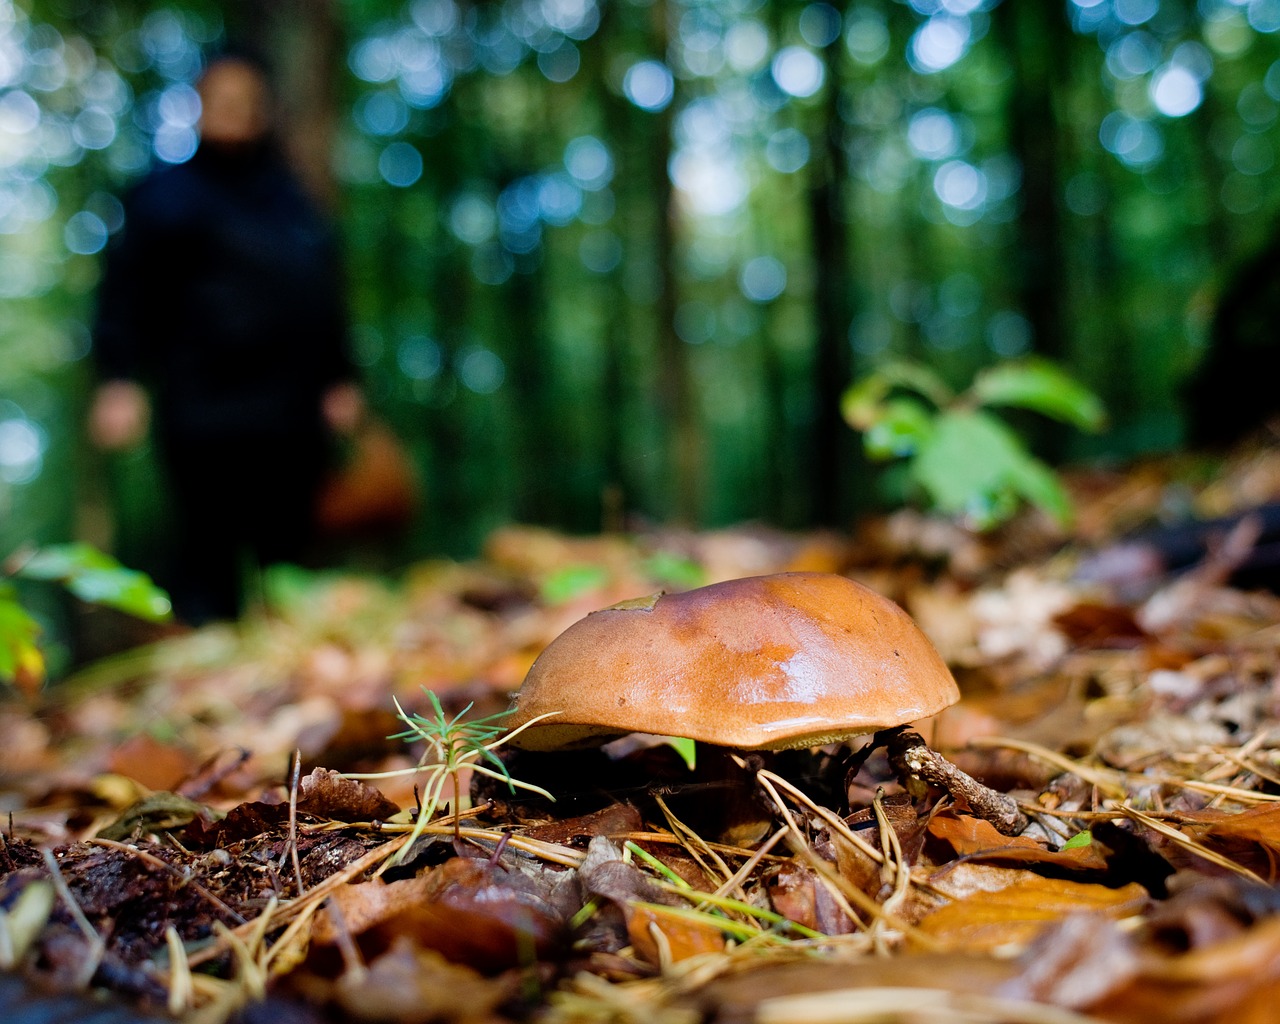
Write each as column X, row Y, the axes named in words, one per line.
column 221, row 329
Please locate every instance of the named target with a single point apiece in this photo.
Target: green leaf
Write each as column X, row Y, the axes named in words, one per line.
column 98, row 578
column 21, row 660
column 973, row 465
column 863, row 404
column 1078, row 840
column 573, row 581
column 61, row 561
column 904, row 425
column 674, row 569
column 1038, row 484
column 918, row 378
column 124, row 589
column 1042, row 387
column 686, row 748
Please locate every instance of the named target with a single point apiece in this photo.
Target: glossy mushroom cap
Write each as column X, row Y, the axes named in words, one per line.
column 767, row 662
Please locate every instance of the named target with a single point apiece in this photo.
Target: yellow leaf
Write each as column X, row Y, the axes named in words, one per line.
column 986, row 920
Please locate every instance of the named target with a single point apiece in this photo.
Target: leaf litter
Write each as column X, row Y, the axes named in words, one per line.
column 188, row 833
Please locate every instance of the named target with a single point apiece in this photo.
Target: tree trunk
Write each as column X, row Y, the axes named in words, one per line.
column 831, row 451
column 1037, row 41
column 675, row 397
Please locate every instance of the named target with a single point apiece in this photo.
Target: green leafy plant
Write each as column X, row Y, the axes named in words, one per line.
column 451, row 745
column 87, row 573
column 967, row 460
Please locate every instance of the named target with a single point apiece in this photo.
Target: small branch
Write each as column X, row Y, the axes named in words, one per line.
column 911, row 757
column 295, row 777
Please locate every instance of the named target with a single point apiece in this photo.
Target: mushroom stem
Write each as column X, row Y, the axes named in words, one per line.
column 912, row 758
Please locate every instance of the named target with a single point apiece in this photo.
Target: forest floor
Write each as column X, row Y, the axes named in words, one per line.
column 166, row 854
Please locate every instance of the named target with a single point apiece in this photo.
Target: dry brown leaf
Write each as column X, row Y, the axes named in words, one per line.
column 736, row 996
column 329, row 794
column 678, row 937
column 1089, row 624
column 1257, row 824
column 976, row 839
column 796, row 894
column 461, row 909
column 1075, row 962
column 614, row 820
column 155, row 764
column 1230, row 982
column 1016, row 914
column 411, row 985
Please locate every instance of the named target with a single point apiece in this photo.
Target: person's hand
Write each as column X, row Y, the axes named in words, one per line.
column 343, row 408
column 120, row 415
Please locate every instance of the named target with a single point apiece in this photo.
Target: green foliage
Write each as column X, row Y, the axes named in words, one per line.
column 675, row 570
column 572, row 581
column 21, row 660
column 966, row 460
column 87, row 573
column 97, row 578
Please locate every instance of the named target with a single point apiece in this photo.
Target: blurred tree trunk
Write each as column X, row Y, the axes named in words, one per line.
column 611, row 408
column 1037, row 40
column 675, row 394
column 830, row 454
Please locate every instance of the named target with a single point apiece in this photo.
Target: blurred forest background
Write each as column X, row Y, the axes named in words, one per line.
column 621, row 257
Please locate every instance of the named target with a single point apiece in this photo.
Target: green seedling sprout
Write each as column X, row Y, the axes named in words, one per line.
column 451, row 745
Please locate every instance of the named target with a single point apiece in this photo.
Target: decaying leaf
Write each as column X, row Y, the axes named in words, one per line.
column 975, row 839
column 470, row 911
column 329, row 794
column 1016, row 914
column 661, row 935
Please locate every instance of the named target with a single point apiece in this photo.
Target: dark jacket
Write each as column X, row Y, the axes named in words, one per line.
column 222, row 294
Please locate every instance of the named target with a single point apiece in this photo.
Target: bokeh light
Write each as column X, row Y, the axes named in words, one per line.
column 867, row 37
column 22, row 448
column 820, row 25
column 472, row 218
column 649, row 85
column 419, row 357
column 589, row 162
column 400, row 164
column 84, row 233
column 933, row 134
column 481, row 370
column 1135, row 141
column 798, row 71
column 763, row 279
column 938, row 43
column 787, row 150
column 1175, row 91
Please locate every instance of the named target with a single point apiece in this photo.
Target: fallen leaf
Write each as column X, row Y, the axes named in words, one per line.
column 975, row 839
column 466, row 909
column 412, row 985
column 329, row 794
column 1016, row 914
column 678, row 937
column 1075, row 962
column 616, row 819
column 1257, row 824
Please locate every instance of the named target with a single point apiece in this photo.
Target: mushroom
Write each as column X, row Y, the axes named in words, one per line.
column 796, row 659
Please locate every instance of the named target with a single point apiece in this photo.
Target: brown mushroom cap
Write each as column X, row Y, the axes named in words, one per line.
column 792, row 660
